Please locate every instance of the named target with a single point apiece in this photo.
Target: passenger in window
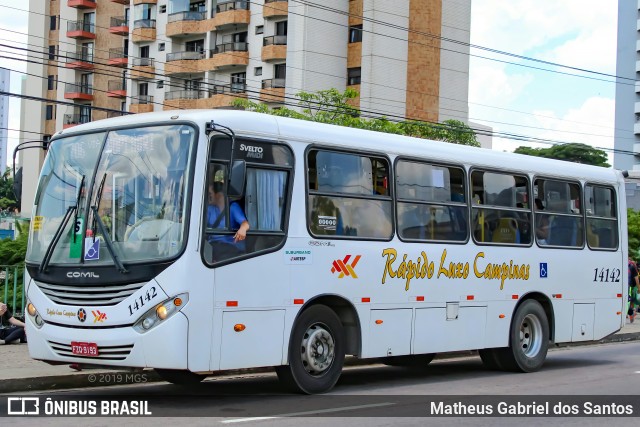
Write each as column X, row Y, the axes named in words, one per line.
column 542, row 224
column 225, row 246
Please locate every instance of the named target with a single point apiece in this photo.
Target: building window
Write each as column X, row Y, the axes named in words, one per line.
column 160, row 84
column 353, row 76
column 238, row 82
column 144, row 51
column 49, row 112
column 257, row 71
column 161, row 47
column 355, row 33
column 198, row 7
column 195, row 46
column 163, row 8
column 259, row 29
column 280, row 71
column 45, row 141
column 123, row 106
column 143, row 89
column 52, row 51
column 281, row 28
column 51, row 82
column 53, row 22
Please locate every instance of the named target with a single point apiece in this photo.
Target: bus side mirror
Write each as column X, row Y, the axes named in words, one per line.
column 236, row 179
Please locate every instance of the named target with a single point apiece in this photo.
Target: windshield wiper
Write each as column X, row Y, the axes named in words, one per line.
column 97, row 204
column 56, row 237
column 108, row 241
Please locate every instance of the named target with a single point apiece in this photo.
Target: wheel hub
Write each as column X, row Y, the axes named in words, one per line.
column 530, row 335
column 318, row 350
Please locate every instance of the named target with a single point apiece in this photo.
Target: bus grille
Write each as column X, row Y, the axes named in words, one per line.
column 110, row 352
column 70, row 294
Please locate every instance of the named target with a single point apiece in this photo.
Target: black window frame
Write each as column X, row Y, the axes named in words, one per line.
column 49, row 113
column 615, row 219
column 537, row 213
column 388, row 198
column 290, row 170
column 355, row 33
column 354, row 76
column 487, row 207
column 466, row 203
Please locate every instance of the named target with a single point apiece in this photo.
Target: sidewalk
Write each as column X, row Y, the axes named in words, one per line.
column 19, row 372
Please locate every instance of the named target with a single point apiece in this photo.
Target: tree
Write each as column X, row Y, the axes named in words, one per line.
column 572, row 152
column 633, row 232
column 334, row 107
column 12, row 254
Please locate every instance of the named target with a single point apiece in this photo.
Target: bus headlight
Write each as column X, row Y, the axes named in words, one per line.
column 161, row 312
column 34, row 315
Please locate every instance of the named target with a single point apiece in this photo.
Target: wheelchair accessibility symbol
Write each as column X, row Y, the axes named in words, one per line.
column 543, row 270
column 91, row 249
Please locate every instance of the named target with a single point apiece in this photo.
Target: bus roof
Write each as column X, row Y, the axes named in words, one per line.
column 258, row 124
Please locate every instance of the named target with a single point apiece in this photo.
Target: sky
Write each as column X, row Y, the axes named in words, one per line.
column 509, row 97
column 521, row 100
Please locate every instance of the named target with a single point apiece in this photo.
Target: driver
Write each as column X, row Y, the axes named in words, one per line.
column 225, row 246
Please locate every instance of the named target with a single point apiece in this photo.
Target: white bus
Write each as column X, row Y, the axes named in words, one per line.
column 359, row 243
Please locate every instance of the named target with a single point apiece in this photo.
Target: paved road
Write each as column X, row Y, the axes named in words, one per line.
column 386, row 396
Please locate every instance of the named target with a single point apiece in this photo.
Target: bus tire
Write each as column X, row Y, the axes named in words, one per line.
column 528, row 339
column 416, row 361
column 180, row 377
column 316, row 352
column 489, row 358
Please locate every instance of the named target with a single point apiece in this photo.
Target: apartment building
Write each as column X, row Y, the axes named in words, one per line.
column 153, row 55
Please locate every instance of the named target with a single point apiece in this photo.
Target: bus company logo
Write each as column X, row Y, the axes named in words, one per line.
column 82, row 315
column 98, row 316
column 343, row 267
column 252, row 151
column 82, row 275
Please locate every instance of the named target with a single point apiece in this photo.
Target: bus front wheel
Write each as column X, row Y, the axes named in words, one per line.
column 528, row 339
column 316, row 352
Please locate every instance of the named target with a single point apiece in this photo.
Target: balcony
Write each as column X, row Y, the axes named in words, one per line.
column 118, row 57
column 80, row 60
column 232, row 13
column 228, row 56
column 141, row 104
column 274, row 48
column 272, row 91
column 81, row 30
column 117, row 89
column 126, row 2
column 143, row 68
column 71, row 120
column 184, row 63
column 144, row 30
column 214, row 96
column 275, row 9
column 135, row 2
column 183, row 24
column 78, row 91
column 119, row 25
column 82, row 4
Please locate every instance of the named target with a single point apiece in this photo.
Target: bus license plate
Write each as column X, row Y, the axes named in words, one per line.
column 84, row 348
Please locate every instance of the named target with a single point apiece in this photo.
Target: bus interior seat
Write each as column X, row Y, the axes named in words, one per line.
column 563, row 231
column 592, row 238
column 605, row 237
column 506, row 231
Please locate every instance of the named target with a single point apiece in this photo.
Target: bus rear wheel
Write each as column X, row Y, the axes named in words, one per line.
column 180, row 377
column 528, row 339
column 316, row 352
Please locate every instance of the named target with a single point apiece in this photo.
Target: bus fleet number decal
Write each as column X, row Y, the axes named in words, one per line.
column 606, row 275
column 140, row 301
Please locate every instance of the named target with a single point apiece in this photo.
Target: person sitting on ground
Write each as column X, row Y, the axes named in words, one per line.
column 16, row 332
column 225, row 246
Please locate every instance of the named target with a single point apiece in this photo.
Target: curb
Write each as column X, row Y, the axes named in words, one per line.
column 101, row 378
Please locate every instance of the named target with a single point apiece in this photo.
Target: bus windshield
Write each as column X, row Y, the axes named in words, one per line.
column 124, row 196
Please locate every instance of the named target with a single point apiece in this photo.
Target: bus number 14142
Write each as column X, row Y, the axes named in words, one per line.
column 606, row 275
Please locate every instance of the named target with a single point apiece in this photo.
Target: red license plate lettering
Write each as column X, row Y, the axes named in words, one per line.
column 84, row 348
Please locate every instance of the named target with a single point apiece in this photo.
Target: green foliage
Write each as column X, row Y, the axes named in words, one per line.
column 333, row 107
column 12, row 254
column 573, row 152
column 633, row 232
column 7, row 198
